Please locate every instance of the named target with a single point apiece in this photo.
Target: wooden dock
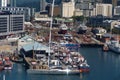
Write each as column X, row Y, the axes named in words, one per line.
column 90, row 41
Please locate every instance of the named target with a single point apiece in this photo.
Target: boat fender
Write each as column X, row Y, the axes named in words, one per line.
column 80, row 70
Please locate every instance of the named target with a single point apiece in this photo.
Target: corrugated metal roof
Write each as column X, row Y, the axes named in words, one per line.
column 32, row 44
column 27, row 38
column 36, row 46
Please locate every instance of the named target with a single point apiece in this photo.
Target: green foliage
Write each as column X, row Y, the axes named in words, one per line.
column 78, row 18
column 107, row 28
column 116, row 31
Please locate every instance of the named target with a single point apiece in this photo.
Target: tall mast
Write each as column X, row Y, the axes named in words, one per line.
column 50, row 31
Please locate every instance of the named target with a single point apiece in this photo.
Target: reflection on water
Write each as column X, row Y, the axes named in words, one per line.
column 58, row 77
column 17, row 73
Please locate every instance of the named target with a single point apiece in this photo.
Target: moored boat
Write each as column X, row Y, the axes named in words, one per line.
column 114, row 46
column 54, row 71
column 84, row 67
column 105, row 47
column 16, row 59
column 7, row 64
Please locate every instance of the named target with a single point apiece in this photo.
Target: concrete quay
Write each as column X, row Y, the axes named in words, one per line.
column 82, row 39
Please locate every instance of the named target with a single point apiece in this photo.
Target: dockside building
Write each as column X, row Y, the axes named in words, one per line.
column 27, row 12
column 11, row 23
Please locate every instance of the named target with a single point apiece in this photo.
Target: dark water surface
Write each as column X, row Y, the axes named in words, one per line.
column 103, row 66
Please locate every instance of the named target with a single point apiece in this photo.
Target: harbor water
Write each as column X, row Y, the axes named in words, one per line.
column 103, row 66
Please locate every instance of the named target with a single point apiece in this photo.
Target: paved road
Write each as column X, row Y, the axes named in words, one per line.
column 6, row 46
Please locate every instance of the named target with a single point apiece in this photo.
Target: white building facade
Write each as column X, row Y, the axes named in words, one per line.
column 102, row 9
column 78, row 12
column 19, row 10
column 4, row 26
column 11, row 24
column 4, row 3
column 68, row 9
column 7, row 3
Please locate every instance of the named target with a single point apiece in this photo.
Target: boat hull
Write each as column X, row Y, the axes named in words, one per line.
column 7, row 68
column 114, row 46
column 114, row 49
column 52, row 72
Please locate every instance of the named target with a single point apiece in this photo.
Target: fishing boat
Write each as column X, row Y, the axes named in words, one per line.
column 7, row 64
column 84, row 67
column 114, row 45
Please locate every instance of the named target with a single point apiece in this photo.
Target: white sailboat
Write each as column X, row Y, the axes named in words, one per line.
column 50, row 70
